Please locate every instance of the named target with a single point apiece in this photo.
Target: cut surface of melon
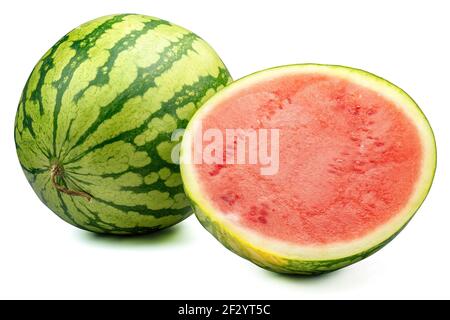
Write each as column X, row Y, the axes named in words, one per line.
column 356, row 160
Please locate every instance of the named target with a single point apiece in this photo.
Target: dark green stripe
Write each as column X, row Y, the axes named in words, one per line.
column 103, row 71
column 125, row 43
column 95, row 220
column 145, row 80
column 36, row 94
column 34, row 172
column 187, row 94
column 91, row 222
column 97, row 223
column 66, row 136
column 27, row 121
column 66, row 214
column 192, row 93
column 66, row 210
column 43, row 149
column 75, row 180
column 158, row 186
column 142, row 209
column 46, row 65
column 154, row 166
column 40, row 193
column 81, row 48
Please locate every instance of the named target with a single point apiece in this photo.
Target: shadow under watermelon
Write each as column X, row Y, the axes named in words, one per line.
column 161, row 237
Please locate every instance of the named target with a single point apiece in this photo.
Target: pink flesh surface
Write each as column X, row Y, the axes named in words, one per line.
column 349, row 160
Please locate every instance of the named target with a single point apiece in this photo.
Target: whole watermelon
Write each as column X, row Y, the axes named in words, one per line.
column 94, row 123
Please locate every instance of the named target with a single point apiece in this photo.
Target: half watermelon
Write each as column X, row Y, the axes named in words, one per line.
column 351, row 160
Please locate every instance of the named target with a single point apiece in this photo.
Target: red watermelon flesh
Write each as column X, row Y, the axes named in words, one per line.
column 349, row 159
column 354, row 157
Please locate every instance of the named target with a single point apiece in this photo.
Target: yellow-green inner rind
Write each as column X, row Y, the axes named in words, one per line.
column 288, row 258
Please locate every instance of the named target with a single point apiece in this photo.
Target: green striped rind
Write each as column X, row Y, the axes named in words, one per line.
column 274, row 262
column 103, row 103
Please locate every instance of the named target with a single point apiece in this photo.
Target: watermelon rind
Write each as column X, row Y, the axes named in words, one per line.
column 284, row 257
column 94, row 125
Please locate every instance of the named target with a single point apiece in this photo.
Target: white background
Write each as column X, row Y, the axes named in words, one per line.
column 406, row 42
